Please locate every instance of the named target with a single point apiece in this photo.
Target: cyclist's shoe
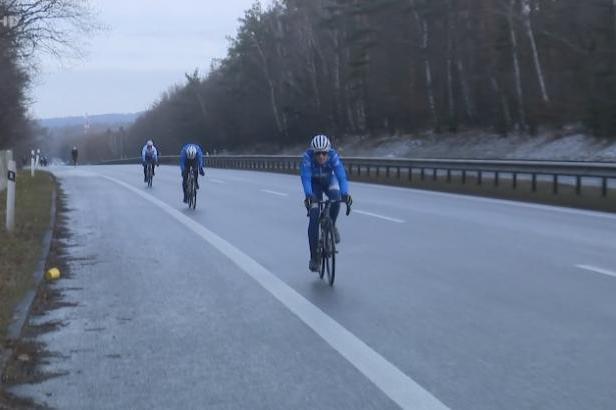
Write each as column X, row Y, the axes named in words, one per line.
column 196, row 184
column 336, row 235
column 185, row 199
column 314, row 265
column 145, row 179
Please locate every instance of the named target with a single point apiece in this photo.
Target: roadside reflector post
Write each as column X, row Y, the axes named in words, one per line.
column 32, row 163
column 10, row 197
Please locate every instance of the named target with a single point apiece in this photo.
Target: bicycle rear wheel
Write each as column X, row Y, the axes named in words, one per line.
column 193, row 198
column 150, row 172
column 328, row 258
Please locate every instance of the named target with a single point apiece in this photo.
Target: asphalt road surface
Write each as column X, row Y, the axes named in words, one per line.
column 441, row 301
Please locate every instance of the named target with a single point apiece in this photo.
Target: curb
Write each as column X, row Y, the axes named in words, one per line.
column 22, row 311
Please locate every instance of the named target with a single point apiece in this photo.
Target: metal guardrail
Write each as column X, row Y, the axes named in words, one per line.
column 398, row 169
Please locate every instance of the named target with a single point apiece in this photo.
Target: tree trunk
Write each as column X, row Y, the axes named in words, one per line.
column 424, row 35
column 451, row 103
column 526, row 11
column 466, row 94
column 516, row 68
column 272, row 88
column 506, row 111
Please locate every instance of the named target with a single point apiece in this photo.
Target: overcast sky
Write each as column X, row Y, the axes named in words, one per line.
column 149, row 46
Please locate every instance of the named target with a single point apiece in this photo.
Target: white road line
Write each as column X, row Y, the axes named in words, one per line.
column 216, row 181
column 597, row 270
column 495, row 201
column 274, row 192
column 386, row 218
column 399, row 387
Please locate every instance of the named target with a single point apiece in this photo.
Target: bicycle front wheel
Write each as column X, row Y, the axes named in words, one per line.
column 329, row 256
column 150, row 172
column 193, row 199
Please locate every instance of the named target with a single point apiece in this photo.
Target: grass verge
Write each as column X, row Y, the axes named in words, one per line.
column 20, row 250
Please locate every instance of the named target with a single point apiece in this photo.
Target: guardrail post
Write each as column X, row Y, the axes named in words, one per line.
column 534, row 183
column 10, row 196
column 463, row 176
column 434, row 174
column 578, row 185
column 604, row 187
column 410, row 173
column 378, row 171
column 515, row 180
column 387, row 171
column 555, row 184
column 423, row 174
column 448, row 176
column 398, row 172
column 496, row 178
column 368, row 173
column 479, row 177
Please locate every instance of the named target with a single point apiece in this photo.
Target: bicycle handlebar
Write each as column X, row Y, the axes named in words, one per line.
column 327, row 201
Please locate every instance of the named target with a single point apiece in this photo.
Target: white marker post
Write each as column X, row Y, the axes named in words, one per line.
column 32, row 163
column 10, row 197
column 37, row 163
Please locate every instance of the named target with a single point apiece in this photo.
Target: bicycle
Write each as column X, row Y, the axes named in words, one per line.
column 149, row 173
column 326, row 247
column 191, row 189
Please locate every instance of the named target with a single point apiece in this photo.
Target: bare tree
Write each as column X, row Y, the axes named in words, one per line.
column 526, row 15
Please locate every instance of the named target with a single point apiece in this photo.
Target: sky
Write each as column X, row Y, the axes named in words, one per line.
column 146, row 49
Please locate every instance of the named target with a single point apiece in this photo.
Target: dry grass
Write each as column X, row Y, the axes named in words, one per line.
column 20, row 250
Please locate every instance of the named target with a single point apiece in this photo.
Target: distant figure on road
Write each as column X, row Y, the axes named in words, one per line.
column 191, row 158
column 74, row 154
column 149, row 154
column 322, row 172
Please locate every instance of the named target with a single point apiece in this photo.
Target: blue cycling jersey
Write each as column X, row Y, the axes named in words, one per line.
column 310, row 170
column 200, row 158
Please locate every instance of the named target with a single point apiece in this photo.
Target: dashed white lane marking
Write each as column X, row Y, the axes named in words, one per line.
column 267, row 191
column 597, row 270
column 386, row 218
column 399, row 387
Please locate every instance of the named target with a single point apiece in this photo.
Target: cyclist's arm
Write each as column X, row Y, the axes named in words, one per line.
column 143, row 155
column 306, row 174
column 340, row 173
column 182, row 161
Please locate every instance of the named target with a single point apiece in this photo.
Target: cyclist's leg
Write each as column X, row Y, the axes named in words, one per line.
column 333, row 193
column 184, row 182
column 145, row 171
column 196, row 174
column 313, row 226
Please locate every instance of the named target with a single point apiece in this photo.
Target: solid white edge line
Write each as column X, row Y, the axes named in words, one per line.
column 386, row 218
column 267, row 191
column 597, row 270
column 399, row 387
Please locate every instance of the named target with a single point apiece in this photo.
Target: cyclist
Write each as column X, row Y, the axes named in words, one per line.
column 74, row 154
column 149, row 154
column 191, row 157
column 322, row 171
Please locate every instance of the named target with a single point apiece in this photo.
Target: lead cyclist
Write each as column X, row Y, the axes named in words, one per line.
column 322, row 171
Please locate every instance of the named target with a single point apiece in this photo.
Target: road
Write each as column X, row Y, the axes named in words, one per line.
column 441, row 301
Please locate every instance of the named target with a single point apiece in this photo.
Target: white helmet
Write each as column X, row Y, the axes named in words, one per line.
column 150, row 143
column 320, row 143
column 191, row 152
